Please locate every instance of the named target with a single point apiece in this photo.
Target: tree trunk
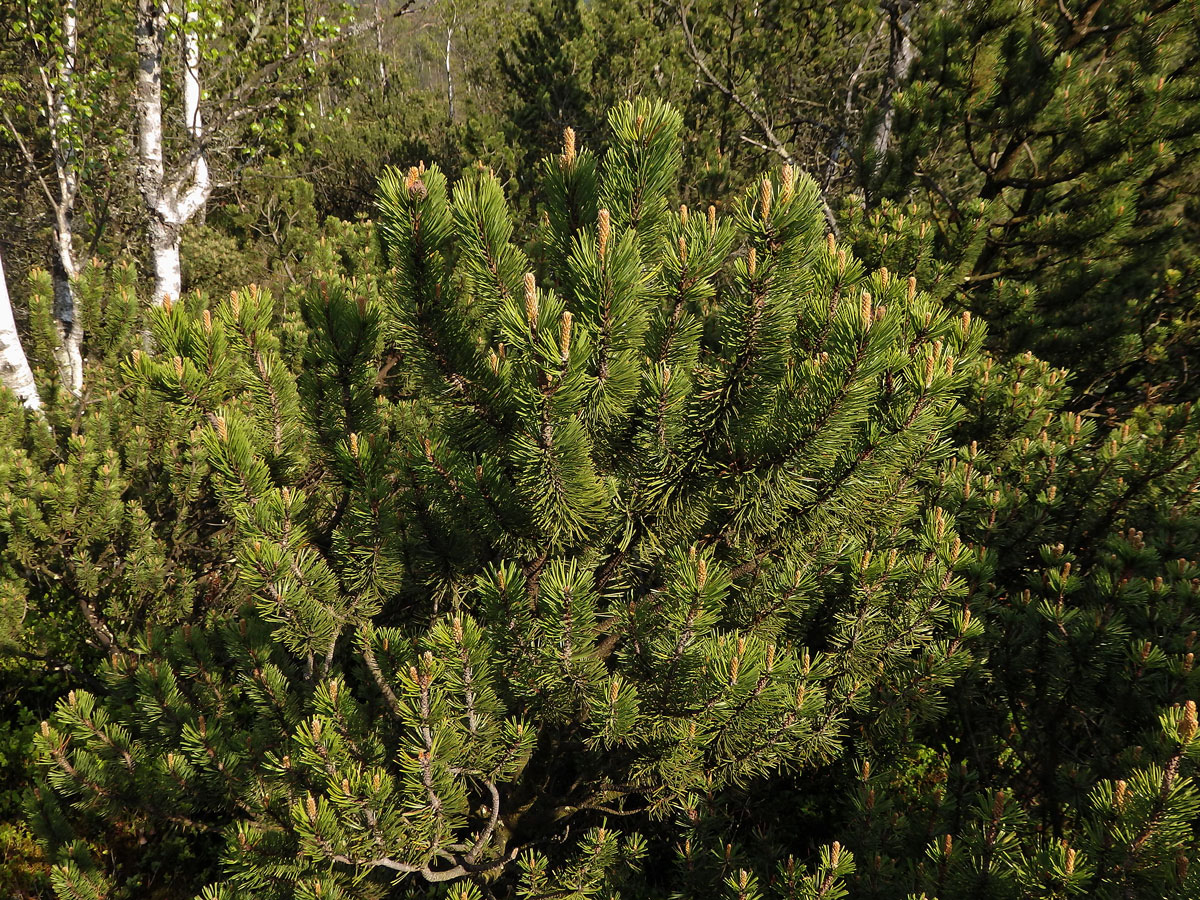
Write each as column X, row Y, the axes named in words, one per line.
column 151, row 26
column 902, row 53
column 69, row 353
column 169, row 204
column 383, row 75
column 449, row 72
column 164, row 253
column 15, row 373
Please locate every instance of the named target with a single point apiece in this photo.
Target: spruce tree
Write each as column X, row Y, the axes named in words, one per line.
column 536, row 556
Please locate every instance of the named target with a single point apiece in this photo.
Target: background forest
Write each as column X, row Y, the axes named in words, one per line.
column 608, row 449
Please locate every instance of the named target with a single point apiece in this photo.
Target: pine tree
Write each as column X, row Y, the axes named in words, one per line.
column 1044, row 743
column 535, row 555
column 547, row 75
column 1076, row 125
column 108, row 522
column 1066, row 763
column 107, row 527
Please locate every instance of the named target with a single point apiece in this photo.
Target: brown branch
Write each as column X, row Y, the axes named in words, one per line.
column 426, row 872
column 102, row 631
column 487, row 833
column 380, row 682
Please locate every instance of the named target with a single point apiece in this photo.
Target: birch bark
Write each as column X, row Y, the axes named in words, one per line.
column 64, row 269
column 15, row 373
column 383, row 74
column 59, row 91
column 170, row 202
column 449, row 71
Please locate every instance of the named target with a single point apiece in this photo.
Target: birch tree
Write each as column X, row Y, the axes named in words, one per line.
column 237, row 62
column 15, row 373
column 62, row 107
column 64, row 268
column 171, row 198
column 902, row 53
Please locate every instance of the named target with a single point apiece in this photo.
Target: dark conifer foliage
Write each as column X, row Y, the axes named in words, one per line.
column 607, row 538
column 1066, row 762
column 549, row 91
column 1078, row 130
column 782, row 486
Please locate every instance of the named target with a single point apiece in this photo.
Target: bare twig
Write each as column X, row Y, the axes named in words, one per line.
column 30, row 159
column 773, row 143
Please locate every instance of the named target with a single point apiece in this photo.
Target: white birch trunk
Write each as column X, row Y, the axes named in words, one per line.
column 69, row 352
column 15, row 373
column 383, row 75
column 449, row 72
column 165, row 257
column 170, row 204
column 197, row 192
column 64, row 271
